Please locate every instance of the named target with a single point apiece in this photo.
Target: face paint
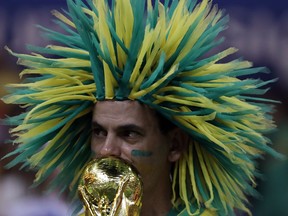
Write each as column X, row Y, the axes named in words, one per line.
column 140, row 153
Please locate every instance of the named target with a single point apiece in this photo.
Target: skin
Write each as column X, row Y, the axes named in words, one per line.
column 130, row 130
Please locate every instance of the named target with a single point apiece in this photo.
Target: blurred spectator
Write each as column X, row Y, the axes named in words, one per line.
column 15, row 201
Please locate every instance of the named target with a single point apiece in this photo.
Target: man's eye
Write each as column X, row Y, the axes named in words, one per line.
column 131, row 134
column 99, row 132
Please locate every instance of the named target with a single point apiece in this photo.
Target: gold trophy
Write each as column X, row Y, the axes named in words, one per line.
column 111, row 187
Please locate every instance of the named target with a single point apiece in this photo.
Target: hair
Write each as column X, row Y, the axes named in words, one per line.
column 165, row 125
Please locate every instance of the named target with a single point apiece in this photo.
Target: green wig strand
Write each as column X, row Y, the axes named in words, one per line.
column 160, row 55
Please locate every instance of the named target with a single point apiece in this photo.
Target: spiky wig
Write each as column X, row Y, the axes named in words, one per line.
column 158, row 54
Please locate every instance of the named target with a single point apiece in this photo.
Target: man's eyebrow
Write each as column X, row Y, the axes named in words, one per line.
column 132, row 127
column 123, row 127
column 95, row 124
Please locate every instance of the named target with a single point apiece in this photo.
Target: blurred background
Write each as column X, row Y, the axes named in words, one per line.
column 259, row 29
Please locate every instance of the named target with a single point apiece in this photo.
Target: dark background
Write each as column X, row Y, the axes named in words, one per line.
column 258, row 28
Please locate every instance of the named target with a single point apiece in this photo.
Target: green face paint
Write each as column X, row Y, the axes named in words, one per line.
column 140, row 153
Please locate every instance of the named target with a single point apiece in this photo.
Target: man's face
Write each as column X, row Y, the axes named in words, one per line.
column 129, row 130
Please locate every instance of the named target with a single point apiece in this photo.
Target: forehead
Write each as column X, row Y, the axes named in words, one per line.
column 123, row 112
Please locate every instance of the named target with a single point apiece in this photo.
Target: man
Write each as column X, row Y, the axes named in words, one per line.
column 136, row 136
column 125, row 68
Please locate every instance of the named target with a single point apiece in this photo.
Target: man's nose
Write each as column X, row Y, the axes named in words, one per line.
column 110, row 147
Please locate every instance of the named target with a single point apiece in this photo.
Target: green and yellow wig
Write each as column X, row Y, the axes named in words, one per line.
column 160, row 54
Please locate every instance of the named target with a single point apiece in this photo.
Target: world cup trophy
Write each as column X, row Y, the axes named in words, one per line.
column 110, row 186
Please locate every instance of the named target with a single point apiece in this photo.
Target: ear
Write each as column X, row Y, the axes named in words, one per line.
column 179, row 141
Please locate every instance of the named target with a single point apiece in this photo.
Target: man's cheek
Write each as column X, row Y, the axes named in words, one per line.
column 142, row 161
